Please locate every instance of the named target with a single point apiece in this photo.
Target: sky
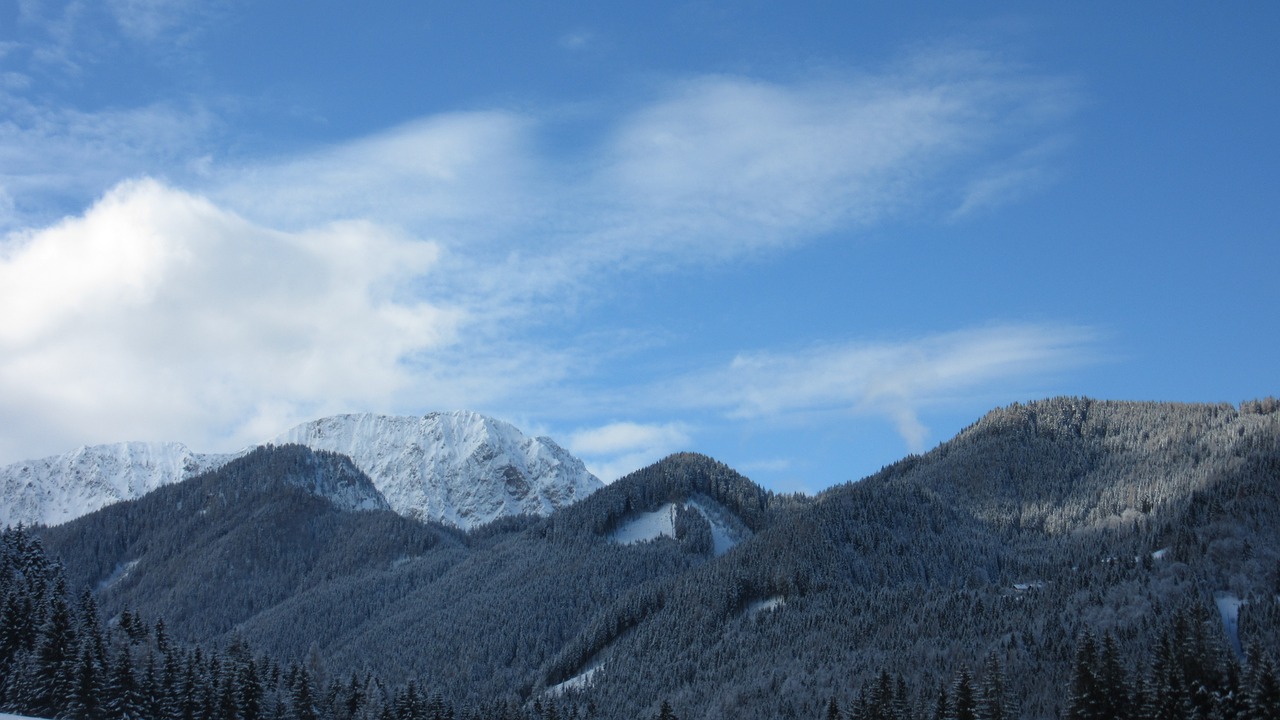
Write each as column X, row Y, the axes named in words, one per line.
column 805, row 239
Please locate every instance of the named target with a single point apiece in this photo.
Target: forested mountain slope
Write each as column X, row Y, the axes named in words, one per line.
column 212, row 551
column 926, row 568
column 685, row 582
column 481, row 614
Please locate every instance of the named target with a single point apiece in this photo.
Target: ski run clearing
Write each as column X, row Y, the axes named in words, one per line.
column 577, row 682
column 1229, row 609
column 726, row 529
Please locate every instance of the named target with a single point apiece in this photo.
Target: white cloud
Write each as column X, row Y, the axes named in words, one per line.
column 626, row 436
column 616, row 449
column 896, row 380
column 156, row 315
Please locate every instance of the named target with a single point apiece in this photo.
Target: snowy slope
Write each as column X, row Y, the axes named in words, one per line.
column 56, row 489
column 459, row 468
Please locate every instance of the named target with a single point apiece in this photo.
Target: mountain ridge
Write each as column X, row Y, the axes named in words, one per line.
column 461, row 468
column 426, row 466
column 1008, row 541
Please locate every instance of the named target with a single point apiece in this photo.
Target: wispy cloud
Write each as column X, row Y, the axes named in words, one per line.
column 896, row 380
column 52, row 159
column 152, row 20
column 576, row 40
column 421, row 267
column 1010, row 180
column 613, row 450
column 711, row 167
column 461, row 177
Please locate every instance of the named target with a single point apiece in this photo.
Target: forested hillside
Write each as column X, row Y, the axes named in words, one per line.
column 1044, row 539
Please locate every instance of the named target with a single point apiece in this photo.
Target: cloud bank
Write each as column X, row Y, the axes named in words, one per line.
column 157, row 315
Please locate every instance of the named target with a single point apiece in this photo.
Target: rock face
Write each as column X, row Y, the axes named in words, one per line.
column 56, row 489
column 459, row 468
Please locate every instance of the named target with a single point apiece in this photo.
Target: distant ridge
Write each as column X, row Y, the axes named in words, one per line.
column 54, row 490
column 460, row 468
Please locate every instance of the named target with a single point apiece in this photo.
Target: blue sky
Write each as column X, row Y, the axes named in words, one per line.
column 806, row 240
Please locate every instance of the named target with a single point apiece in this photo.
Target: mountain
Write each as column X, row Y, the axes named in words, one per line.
column 222, row 546
column 459, row 468
column 988, row 557
column 53, row 490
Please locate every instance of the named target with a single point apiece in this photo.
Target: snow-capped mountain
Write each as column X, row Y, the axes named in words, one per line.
column 460, row 468
column 56, row 489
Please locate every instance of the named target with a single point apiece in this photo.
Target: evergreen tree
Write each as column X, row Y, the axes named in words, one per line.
column 161, row 637
column 1113, row 685
column 152, row 689
column 83, row 702
column 249, row 705
column 409, row 704
column 942, row 705
column 880, row 706
column 228, row 696
column 1263, row 699
column 992, row 699
column 89, row 628
column 189, row 689
column 1168, row 690
column 354, row 699
column 965, row 706
column 1086, row 701
column 124, row 698
column 55, row 657
column 303, row 698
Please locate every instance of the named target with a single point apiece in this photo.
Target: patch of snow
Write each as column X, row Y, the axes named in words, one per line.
column 121, row 571
column 768, row 604
column 5, row 716
column 726, row 530
column 1160, row 554
column 1025, row 586
column 1229, row 608
column 577, row 682
column 647, row 526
